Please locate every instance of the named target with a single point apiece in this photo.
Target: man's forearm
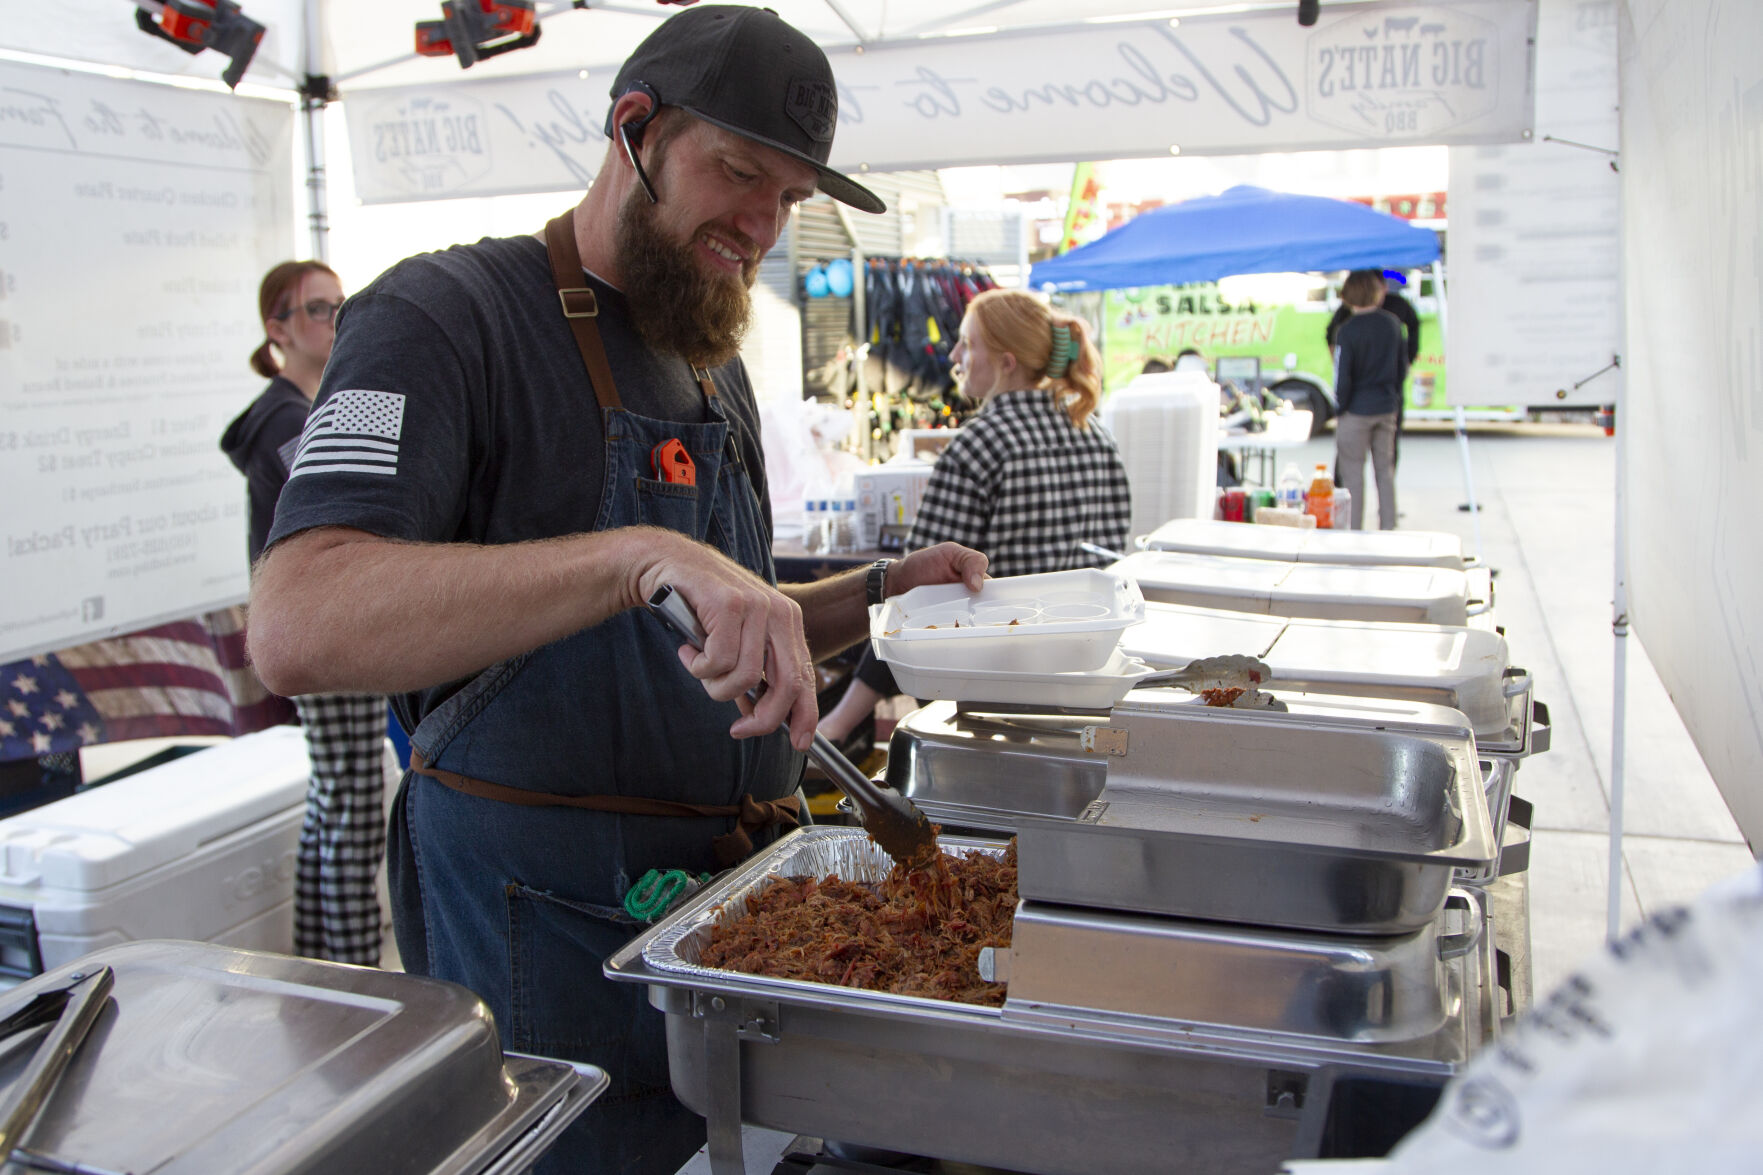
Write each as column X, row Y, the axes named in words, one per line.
column 834, row 615
column 336, row 610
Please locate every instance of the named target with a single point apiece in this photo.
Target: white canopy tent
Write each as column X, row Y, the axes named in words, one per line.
column 1690, row 136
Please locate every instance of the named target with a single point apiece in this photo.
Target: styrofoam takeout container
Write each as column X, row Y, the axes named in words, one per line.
column 1060, row 622
column 1089, row 689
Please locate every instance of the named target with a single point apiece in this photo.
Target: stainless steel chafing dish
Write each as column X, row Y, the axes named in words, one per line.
column 208, row 1058
column 1137, row 1069
column 1242, row 816
column 1364, row 803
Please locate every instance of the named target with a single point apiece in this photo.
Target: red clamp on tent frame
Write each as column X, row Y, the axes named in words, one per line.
column 472, row 30
column 195, row 25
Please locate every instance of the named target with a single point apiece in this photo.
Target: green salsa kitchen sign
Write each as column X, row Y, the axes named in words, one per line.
column 1159, row 322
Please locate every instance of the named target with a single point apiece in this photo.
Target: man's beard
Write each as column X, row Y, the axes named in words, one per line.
column 679, row 307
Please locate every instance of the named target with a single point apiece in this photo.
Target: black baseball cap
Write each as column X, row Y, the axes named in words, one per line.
column 743, row 69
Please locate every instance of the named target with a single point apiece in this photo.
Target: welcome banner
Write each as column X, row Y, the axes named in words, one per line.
column 1376, row 75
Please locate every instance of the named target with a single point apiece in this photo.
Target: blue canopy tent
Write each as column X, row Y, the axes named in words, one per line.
column 1244, row 230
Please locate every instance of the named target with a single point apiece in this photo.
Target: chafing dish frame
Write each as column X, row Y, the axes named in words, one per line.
column 1029, row 1089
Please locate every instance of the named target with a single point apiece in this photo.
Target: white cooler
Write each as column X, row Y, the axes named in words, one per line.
column 200, row 848
column 1414, row 595
column 1361, row 548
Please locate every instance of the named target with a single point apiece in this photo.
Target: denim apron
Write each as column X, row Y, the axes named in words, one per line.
column 522, row 904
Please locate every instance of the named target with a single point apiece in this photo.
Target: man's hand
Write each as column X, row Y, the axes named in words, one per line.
column 752, row 635
column 943, row 563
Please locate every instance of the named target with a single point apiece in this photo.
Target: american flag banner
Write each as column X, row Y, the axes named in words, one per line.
column 354, row 431
column 189, row 677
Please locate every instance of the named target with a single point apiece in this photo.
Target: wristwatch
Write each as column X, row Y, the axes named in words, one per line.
column 875, row 582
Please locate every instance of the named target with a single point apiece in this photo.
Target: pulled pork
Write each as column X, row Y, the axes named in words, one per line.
column 919, row 932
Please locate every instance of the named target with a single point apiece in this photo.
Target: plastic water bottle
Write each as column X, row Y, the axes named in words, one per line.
column 1343, row 508
column 838, row 528
column 813, row 541
column 1289, row 495
column 828, row 527
column 849, row 527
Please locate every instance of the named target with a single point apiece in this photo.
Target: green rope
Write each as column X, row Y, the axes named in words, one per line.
column 656, row 890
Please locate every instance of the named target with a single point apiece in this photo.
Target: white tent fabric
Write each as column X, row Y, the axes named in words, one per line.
column 365, row 36
column 372, row 43
column 1712, row 215
column 104, row 32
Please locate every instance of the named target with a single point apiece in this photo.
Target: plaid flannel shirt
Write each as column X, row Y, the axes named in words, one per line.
column 1020, row 483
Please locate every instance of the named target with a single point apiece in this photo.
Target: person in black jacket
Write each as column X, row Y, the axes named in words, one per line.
column 1404, row 311
column 1371, row 364
column 343, row 838
column 297, row 301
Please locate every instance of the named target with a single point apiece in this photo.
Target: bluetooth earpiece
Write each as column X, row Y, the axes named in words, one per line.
column 631, row 135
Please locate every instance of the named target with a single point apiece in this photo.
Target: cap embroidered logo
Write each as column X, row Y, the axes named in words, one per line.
column 813, row 106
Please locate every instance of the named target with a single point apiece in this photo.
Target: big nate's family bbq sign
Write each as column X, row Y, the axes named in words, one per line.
column 1365, row 75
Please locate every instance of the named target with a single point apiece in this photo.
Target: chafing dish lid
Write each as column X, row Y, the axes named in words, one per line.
column 211, row 1058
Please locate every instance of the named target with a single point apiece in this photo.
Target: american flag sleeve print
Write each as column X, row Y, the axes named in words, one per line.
column 355, row 431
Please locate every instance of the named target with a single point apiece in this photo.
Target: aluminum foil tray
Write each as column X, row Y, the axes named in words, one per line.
column 811, row 852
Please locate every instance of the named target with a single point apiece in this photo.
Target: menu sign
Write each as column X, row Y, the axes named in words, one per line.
column 135, row 223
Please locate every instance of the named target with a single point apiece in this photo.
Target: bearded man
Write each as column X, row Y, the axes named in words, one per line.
column 516, row 443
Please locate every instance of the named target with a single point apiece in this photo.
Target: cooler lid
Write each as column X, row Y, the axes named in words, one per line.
column 1413, row 548
column 210, row 1058
column 1465, row 665
column 1434, row 595
column 1244, row 580
column 1205, row 536
column 1171, row 635
column 1429, row 655
column 123, row 829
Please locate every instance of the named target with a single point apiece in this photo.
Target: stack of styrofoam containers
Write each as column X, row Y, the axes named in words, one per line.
column 888, row 495
column 200, row 848
column 1166, row 425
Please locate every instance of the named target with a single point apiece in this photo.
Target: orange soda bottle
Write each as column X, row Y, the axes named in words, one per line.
column 1319, row 498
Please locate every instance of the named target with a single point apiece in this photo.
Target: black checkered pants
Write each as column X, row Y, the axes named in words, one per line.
column 336, row 908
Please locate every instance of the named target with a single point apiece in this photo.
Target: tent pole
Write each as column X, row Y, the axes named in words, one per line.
column 1462, row 421
column 1619, row 668
column 1619, row 500
column 312, row 119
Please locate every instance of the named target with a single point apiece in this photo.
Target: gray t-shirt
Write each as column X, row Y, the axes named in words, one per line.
column 455, row 408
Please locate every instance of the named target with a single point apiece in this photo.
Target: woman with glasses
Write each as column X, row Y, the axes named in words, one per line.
column 336, row 907
column 298, row 302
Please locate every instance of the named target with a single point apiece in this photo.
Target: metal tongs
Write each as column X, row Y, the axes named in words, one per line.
column 69, row 1011
column 892, row 821
column 1234, row 671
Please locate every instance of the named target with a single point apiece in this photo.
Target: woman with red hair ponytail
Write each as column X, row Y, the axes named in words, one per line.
column 1032, row 478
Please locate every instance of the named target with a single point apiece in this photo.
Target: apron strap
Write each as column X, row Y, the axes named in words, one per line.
column 580, row 307
column 704, row 381
column 730, row 848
